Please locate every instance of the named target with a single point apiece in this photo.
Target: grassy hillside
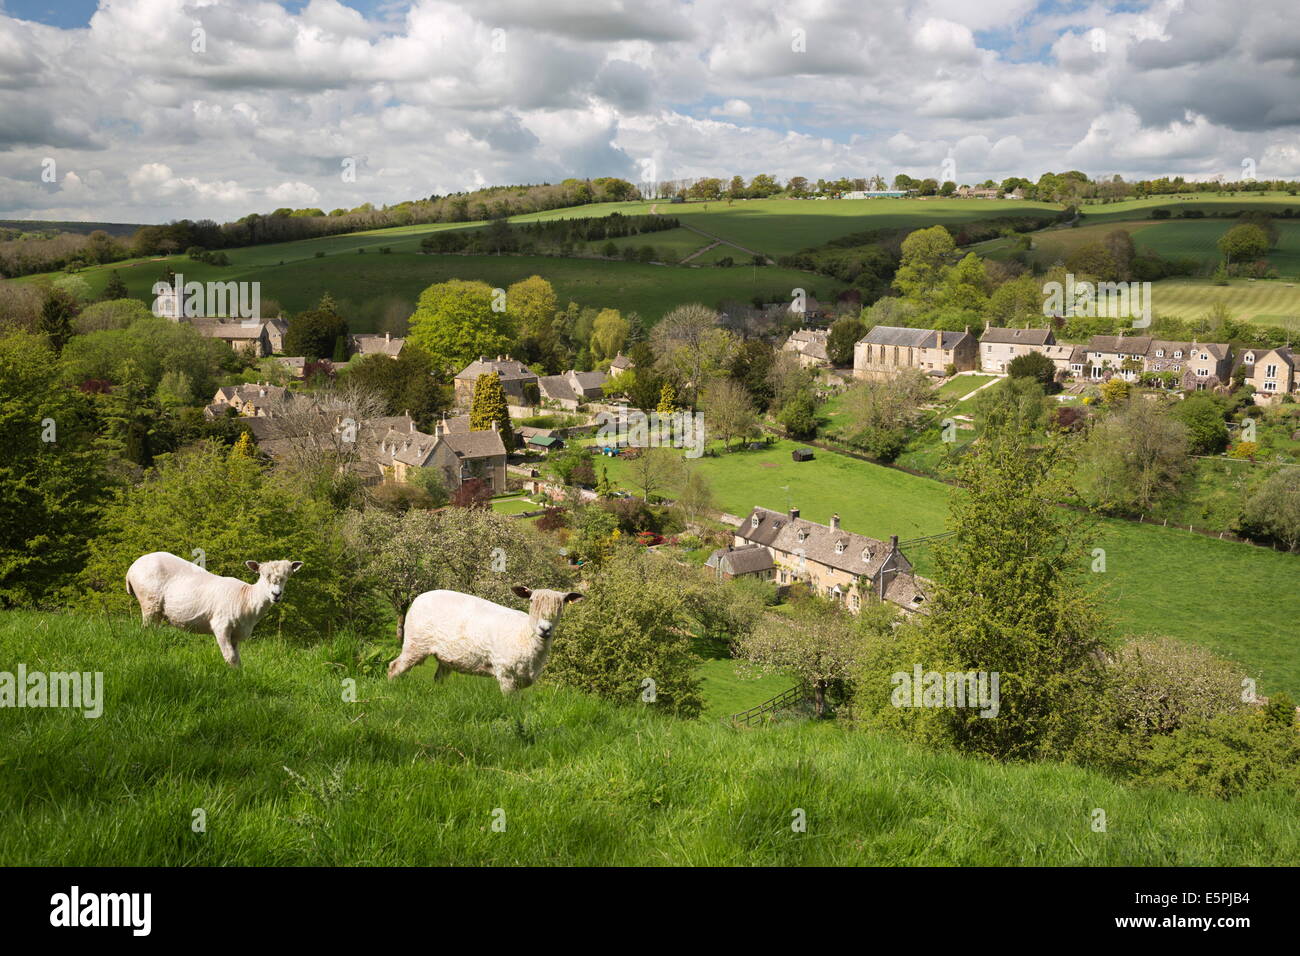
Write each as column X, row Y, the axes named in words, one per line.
column 1238, row 600
column 1172, row 239
column 1210, row 205
column 288, row 773
column 355, row 279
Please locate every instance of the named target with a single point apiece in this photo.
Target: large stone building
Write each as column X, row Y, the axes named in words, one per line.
column 386, row 344
column 518, row 381
column 812, row 346
column 837, row 564
column 1272, row 372
column 1000, row 347
column 572, row 389
column 885, row 350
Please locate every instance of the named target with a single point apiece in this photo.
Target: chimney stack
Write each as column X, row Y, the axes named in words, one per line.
column 835, row 522
column 938, row 339
column 388, row 336
column 794, row 513
column 893, row 542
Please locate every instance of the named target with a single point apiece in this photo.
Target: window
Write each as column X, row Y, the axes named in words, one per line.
column 753, row 521
column 1178, row 353
column 1248, row 358
column 1270, row 371
column 1202, row 372
column 988, row 348
column 866, row 554
column 1160, row 353
column 839, row 547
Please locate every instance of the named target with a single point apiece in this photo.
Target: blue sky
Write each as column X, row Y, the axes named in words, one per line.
column 159, row 109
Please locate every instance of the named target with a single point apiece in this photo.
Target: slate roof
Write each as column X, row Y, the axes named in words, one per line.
column 810, row 342
column 1216, row 350
column 843, row 550
column 509, row 370
column 997, row 336
column 475, row 444
column 1120, row 344
column 557, row 388
column 389, row 345
column 914, row 338
column 747, row 559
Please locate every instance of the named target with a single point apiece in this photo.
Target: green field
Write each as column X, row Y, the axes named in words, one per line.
column 782, row 226
column 1263, row 302
column 1272, row 202
column 355, row 280
column 414, row 773
column 1238, row 600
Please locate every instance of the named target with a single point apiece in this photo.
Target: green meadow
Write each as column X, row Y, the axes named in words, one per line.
column 282, row 767
column 354, row 278
column 1238, row 600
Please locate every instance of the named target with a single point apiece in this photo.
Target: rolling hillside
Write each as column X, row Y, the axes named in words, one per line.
column 288, row 772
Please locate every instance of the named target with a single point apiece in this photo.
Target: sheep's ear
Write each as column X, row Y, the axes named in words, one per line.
column 521, row 591
column 253, row 566
column 573, row 596
column 295, row 567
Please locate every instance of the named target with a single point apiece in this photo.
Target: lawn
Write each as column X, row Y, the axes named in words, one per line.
column 1238, row 600
column 514, row 505
column 289, row 772
column 1263, row 302
column 961, row 385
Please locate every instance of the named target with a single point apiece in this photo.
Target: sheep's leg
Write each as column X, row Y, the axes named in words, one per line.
column 507, row 683
column 227, row 641
column 405, row 661
column 442, row 672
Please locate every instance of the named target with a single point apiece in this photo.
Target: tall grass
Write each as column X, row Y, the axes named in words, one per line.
column 412, row 772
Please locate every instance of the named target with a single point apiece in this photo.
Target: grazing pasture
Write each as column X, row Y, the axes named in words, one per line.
column 287, row 770
column 1238, row 600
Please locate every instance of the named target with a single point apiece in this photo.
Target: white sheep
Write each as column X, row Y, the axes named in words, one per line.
column 467, row 634
column 189, row 597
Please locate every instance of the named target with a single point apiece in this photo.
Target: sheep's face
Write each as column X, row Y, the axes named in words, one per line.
column 275, row 574
column 545, row 607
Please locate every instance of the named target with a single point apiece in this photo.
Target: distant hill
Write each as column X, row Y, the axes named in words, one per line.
column 85, row 228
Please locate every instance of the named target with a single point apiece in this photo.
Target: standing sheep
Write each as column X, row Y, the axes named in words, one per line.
column 468, row 634
column 189, row 597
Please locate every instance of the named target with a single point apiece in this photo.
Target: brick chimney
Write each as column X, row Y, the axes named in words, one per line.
column 794, row 513
column 835, row 522
column 938, row 339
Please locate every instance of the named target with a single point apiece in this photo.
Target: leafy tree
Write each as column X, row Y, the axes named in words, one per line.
column 925, row 252
column 1207, row 433
column 1114, row 391
column 1133, row 457
column 798, row 414
column 728, row 411
column 667, row 399
column 630, row 640
column 51, row 480
column 655, row 469
column 234, row 510
column 1036, row 366
column 314, row 334
column 845, row 333
column 399, row 557
column 692, row 347
column 1247, row 241
column 752, row 367
column 110, row 315
column 406, row 384
column 454, row 323
column 1011, row 600
column 818, row 642
column 490, row 408
column 608, row 334
column 1274, row 509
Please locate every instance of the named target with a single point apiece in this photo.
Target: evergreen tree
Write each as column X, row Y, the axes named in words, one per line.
column 490, row 406
column 57, row 312
column 116, row 288
column 1013, row 600
column 667, row 399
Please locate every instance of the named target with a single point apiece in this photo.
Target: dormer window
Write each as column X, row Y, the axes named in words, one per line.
column 839, row 547
column 1160, row 353
column 1178, row 353
column 866, row 554
column 753, row 520
column 803, row 535
column 1249, row 358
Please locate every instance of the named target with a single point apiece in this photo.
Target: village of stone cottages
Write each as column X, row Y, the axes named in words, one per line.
column 789, row 508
